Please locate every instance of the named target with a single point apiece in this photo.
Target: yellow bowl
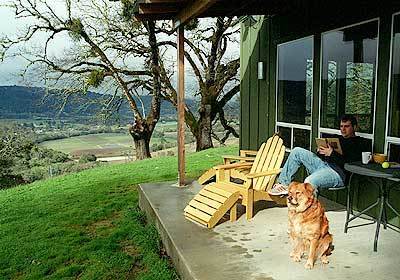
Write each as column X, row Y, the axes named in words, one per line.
column 379, row 158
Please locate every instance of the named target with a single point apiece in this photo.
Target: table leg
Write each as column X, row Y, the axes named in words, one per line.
column 348, row 204
column 385, row 217
column 378, row 222
column 392, row 208
column 382, row 201
column 383, row 192
column 390, row 205
column 365, row 210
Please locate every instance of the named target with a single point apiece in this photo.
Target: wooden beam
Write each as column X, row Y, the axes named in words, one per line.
column 181, row 11
column 143, row 17
column 164, row 1
column 158, row 8
column 181, row 107
column 193, row 9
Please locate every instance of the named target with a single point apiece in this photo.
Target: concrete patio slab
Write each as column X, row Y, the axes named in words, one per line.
column 259, row 248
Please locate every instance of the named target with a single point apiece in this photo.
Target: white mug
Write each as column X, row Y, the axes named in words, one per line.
column 366, row 157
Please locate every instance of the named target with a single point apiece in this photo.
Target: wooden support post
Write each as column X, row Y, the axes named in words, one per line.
column 249, row 205
column 233, row 213
column 220, row 175
column 181, row 108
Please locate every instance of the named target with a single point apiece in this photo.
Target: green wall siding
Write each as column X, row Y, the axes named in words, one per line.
column 254, row 102
column 244, row 88
column 264, row 52
column 259, row 43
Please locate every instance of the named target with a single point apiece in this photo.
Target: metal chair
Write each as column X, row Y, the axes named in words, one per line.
column 349, row 209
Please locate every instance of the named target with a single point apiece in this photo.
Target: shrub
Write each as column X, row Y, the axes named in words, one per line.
column 72, row 167
column 42, row 156
column 35, row 173
column 43, row 172
column 87, row 158
column 9, row 181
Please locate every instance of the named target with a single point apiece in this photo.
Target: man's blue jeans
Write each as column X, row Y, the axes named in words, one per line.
column 321, row 175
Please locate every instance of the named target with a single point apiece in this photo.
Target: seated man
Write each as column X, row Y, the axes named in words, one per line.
column 326, row 168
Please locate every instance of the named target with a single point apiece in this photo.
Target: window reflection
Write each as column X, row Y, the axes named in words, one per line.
column 301, row 138
column 394, row 152
column 394, row 116
column 285, row 134
column 295, row 70
column 294, row 92
column 348, row 75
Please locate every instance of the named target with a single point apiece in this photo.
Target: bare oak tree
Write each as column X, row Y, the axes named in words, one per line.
column 104, row 48
column 109, row 50
column 216, row 74
column 214, row 67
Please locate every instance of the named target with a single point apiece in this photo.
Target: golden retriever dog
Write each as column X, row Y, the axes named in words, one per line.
column 308, row 225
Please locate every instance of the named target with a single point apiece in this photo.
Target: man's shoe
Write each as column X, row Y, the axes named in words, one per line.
column 278, row 189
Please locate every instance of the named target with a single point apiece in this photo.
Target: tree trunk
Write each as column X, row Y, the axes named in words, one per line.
column 203, row 135
column 142, row 148
column 141, row 134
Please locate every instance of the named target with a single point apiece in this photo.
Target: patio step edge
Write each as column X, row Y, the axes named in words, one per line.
column 180, row 264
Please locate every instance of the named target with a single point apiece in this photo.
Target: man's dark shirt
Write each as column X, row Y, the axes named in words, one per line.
column 352, row 147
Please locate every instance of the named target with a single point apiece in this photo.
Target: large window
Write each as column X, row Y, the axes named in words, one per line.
column 349, row 58
column 294, row 92
column 394, row 97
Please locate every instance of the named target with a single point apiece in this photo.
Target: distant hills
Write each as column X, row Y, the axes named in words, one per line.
column 19, row 102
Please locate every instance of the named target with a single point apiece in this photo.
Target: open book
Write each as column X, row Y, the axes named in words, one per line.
column 333, row 142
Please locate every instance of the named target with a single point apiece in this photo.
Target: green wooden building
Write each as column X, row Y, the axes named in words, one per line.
column 313, row 61
column 304, row 63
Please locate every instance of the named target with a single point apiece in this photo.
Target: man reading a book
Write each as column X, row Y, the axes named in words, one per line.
column 326, row 166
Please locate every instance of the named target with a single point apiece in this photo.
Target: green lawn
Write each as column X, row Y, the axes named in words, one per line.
column 87, row 225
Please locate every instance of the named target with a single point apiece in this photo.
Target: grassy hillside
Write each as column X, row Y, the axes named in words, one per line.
column 87, row 225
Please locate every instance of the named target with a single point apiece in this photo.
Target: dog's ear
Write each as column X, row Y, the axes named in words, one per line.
column 309, row 189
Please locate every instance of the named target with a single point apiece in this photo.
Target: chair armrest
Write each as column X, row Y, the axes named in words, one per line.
column 233, row 165
column 239, row 158
column 263, row 174
column 244, row 153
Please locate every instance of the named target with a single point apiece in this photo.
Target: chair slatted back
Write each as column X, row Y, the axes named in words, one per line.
column 269, row 157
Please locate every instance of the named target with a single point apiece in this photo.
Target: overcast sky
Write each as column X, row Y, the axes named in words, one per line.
column 9, row 25
column 9, row 68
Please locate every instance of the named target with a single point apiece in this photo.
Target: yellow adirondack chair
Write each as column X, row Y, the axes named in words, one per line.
column 257, row 174
column 246, row 156
column 261, row 177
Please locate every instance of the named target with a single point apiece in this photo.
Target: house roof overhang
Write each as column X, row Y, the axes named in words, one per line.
column 182, row 11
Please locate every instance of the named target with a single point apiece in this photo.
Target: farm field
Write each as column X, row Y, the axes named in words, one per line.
column 120, row 147
column 101, row 145
column 98, row 144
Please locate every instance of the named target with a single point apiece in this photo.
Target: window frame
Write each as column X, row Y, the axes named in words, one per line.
column 286, row 124
column 390, row 139
column 337, row 131
column 293, row 126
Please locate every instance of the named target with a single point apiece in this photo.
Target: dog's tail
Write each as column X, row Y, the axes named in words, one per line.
column 325, row 246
